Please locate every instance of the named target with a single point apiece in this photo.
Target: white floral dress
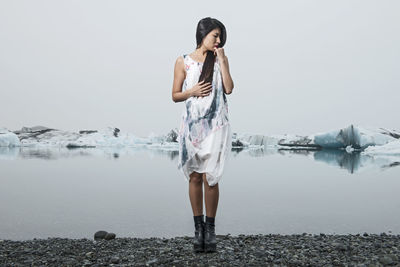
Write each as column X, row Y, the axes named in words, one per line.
column 205, row 137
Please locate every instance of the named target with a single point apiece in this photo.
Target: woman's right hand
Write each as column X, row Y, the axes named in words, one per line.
column 202, row 89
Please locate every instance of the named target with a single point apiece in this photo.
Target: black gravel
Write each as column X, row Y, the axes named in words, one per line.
column 243, row 250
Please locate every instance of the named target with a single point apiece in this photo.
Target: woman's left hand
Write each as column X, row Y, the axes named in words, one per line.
column 219, row 51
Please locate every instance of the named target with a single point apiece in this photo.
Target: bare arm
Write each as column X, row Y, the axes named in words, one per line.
column 227, row 81
column 179, row 78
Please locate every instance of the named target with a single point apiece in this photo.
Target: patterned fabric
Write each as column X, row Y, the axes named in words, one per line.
column 205, row 138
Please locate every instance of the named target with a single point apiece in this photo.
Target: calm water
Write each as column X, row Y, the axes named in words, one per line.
column 141, row 193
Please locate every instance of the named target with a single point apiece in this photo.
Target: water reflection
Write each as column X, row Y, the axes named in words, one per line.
column 352, row 162
column 349, row 161
column 73, row 193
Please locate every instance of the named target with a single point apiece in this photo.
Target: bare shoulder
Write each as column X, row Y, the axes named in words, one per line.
column 180, row 64
column 179, row 61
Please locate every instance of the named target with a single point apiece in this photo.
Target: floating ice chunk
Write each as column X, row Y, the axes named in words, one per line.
column 252, row 140
column 349, row 149
column 8, row 139
column 297, row 141
column 45, row 137
column 109, row 136
column 40, row 136
column 357, row 137
column 391, row 148
column 352, row 138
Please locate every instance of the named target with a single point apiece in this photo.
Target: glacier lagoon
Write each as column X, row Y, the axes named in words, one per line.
column 73, row 192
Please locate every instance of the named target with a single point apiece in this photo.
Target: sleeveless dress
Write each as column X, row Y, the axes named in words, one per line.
column 204, row 136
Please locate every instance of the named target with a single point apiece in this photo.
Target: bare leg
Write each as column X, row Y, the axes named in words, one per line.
column 211, row 198
column 196, row 193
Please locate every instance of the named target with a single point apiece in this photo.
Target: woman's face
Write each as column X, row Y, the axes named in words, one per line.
column 212, row 39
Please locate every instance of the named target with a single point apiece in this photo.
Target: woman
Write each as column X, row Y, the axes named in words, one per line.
column 202, row 79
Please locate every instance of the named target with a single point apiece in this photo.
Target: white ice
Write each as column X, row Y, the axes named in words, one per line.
column 370, row 140
column 8, row 139
column 355, row 136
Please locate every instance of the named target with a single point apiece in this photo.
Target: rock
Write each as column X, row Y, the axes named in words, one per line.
column 100, row 235
column 152, row 261
column 87, row 263
column 243, row 250
column 339, row 246
column 109, row 236
column 386, row 260
column 115, row 259
column 393, row 257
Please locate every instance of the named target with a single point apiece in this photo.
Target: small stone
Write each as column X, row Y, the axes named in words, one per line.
column 115, row 259
column 336, row 262
column 339, row 246
column 87, row 263
column 89, row 254
column 386, row 260
column 109, row 236
column 152, row 261
column 100, row 235
column 393, row 257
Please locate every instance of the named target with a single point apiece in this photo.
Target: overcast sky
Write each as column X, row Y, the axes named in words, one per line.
column 298, row 66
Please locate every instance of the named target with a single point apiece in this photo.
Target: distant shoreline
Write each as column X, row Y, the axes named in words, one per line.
column 293, row 250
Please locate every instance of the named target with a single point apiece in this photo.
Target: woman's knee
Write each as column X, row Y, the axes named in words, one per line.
column 196, row 178
column 214, row 186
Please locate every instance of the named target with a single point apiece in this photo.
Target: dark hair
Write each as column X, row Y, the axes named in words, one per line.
column 204, row 27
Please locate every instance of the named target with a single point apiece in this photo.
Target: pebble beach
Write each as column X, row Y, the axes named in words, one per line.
column 242, row 250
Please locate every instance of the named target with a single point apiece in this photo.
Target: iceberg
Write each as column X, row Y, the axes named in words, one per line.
column 353, row 148
column 351, row 139
column 8, row 139
column 391, row 148
column 41, row 136
column 356, row 137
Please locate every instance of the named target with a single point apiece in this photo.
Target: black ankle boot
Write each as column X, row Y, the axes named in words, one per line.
column 210, row 242
column 198, row 244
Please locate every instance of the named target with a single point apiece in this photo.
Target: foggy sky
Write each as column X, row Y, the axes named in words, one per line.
column 298, row 66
